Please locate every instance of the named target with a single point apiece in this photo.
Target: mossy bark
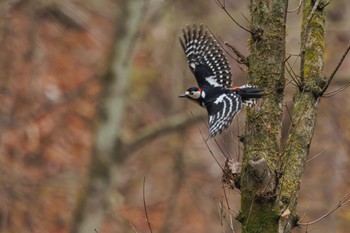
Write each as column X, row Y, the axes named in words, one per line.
column 271, row 174
column 260, row 210
column 306, row 102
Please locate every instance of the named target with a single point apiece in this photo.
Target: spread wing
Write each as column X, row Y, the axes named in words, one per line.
column 222, row 111
column 205, row 58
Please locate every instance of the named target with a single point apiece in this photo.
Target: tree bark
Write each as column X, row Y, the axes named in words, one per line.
column 259, row 206
column 271, row 175
column 306, row 102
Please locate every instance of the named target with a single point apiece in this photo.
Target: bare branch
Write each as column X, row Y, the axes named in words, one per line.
column 307, row 209
column 345, row 200
column 211, row 152
column 335, row 70
column 238, row 61
column 228, row 154
column 333, row 93
column 241, row 58
column 223, row 7
column 314, row 157
column 133, row 228
column 144, row 204
column 297, row 8
column 148, row 133
column 292, row 74
column 248, row 21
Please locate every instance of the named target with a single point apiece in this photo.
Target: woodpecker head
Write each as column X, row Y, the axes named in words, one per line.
column 195, row 94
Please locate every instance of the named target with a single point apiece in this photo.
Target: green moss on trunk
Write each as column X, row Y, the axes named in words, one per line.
column 306, row 101
column 260, row 210
column 271, row 176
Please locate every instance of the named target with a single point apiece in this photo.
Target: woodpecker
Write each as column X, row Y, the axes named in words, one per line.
column 212, row 71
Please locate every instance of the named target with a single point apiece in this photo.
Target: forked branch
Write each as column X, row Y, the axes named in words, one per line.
column 222, row 5
column 345, row 200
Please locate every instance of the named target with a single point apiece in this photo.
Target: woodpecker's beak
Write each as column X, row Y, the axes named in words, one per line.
column 182, row 96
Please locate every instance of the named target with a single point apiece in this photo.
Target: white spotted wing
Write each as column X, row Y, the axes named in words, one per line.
column 222, row 111
column 205, row 58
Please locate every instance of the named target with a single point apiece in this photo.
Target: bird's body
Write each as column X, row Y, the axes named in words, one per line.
column 213, row 74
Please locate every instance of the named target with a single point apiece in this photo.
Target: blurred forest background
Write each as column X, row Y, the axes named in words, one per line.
column 54, row 55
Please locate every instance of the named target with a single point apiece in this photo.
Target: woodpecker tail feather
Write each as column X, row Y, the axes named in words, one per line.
column 249, row 94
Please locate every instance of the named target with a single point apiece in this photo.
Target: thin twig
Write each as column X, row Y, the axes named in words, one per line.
column 239, row 147
column 223, row 218
column 179, row 174
column 226, row 148
column 245, row 17
column 297, row 8
column 231, row 223
column 133, row 228
column 223, row 142
column 223, row 7
column 292, row 74
column 335, row 70
column 241, row 58
column 144, row 205
column 306, row 228
column 211, row 152
column 221, row 215
column 217, row 39
column 307, row 209
column 222, row 151
column 333, row 93
column 208, row 147
column 345, row 200
column 223, row 211
column 290, row 71
column 314, row 157
column 225, row 195
column 288, row 111
column 216, row 142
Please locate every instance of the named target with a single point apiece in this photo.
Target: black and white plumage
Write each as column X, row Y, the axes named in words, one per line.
column 205, row 58
column 212, row 71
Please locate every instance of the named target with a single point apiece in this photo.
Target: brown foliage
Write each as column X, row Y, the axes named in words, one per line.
column 48, row 89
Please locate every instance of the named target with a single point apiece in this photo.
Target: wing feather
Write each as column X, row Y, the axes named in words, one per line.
column 222, row 111
column 205, row 58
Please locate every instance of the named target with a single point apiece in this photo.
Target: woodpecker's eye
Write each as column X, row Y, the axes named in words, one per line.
column 194, row 94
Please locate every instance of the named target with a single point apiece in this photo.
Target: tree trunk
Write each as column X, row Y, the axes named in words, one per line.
column 271, row 175
column 101, row 199
column 260, row 210
column 306, row 102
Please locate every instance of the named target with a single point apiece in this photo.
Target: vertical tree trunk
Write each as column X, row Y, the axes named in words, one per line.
column 271, row 176
column 100, row 199
column 259, row 207
column 306, row 102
